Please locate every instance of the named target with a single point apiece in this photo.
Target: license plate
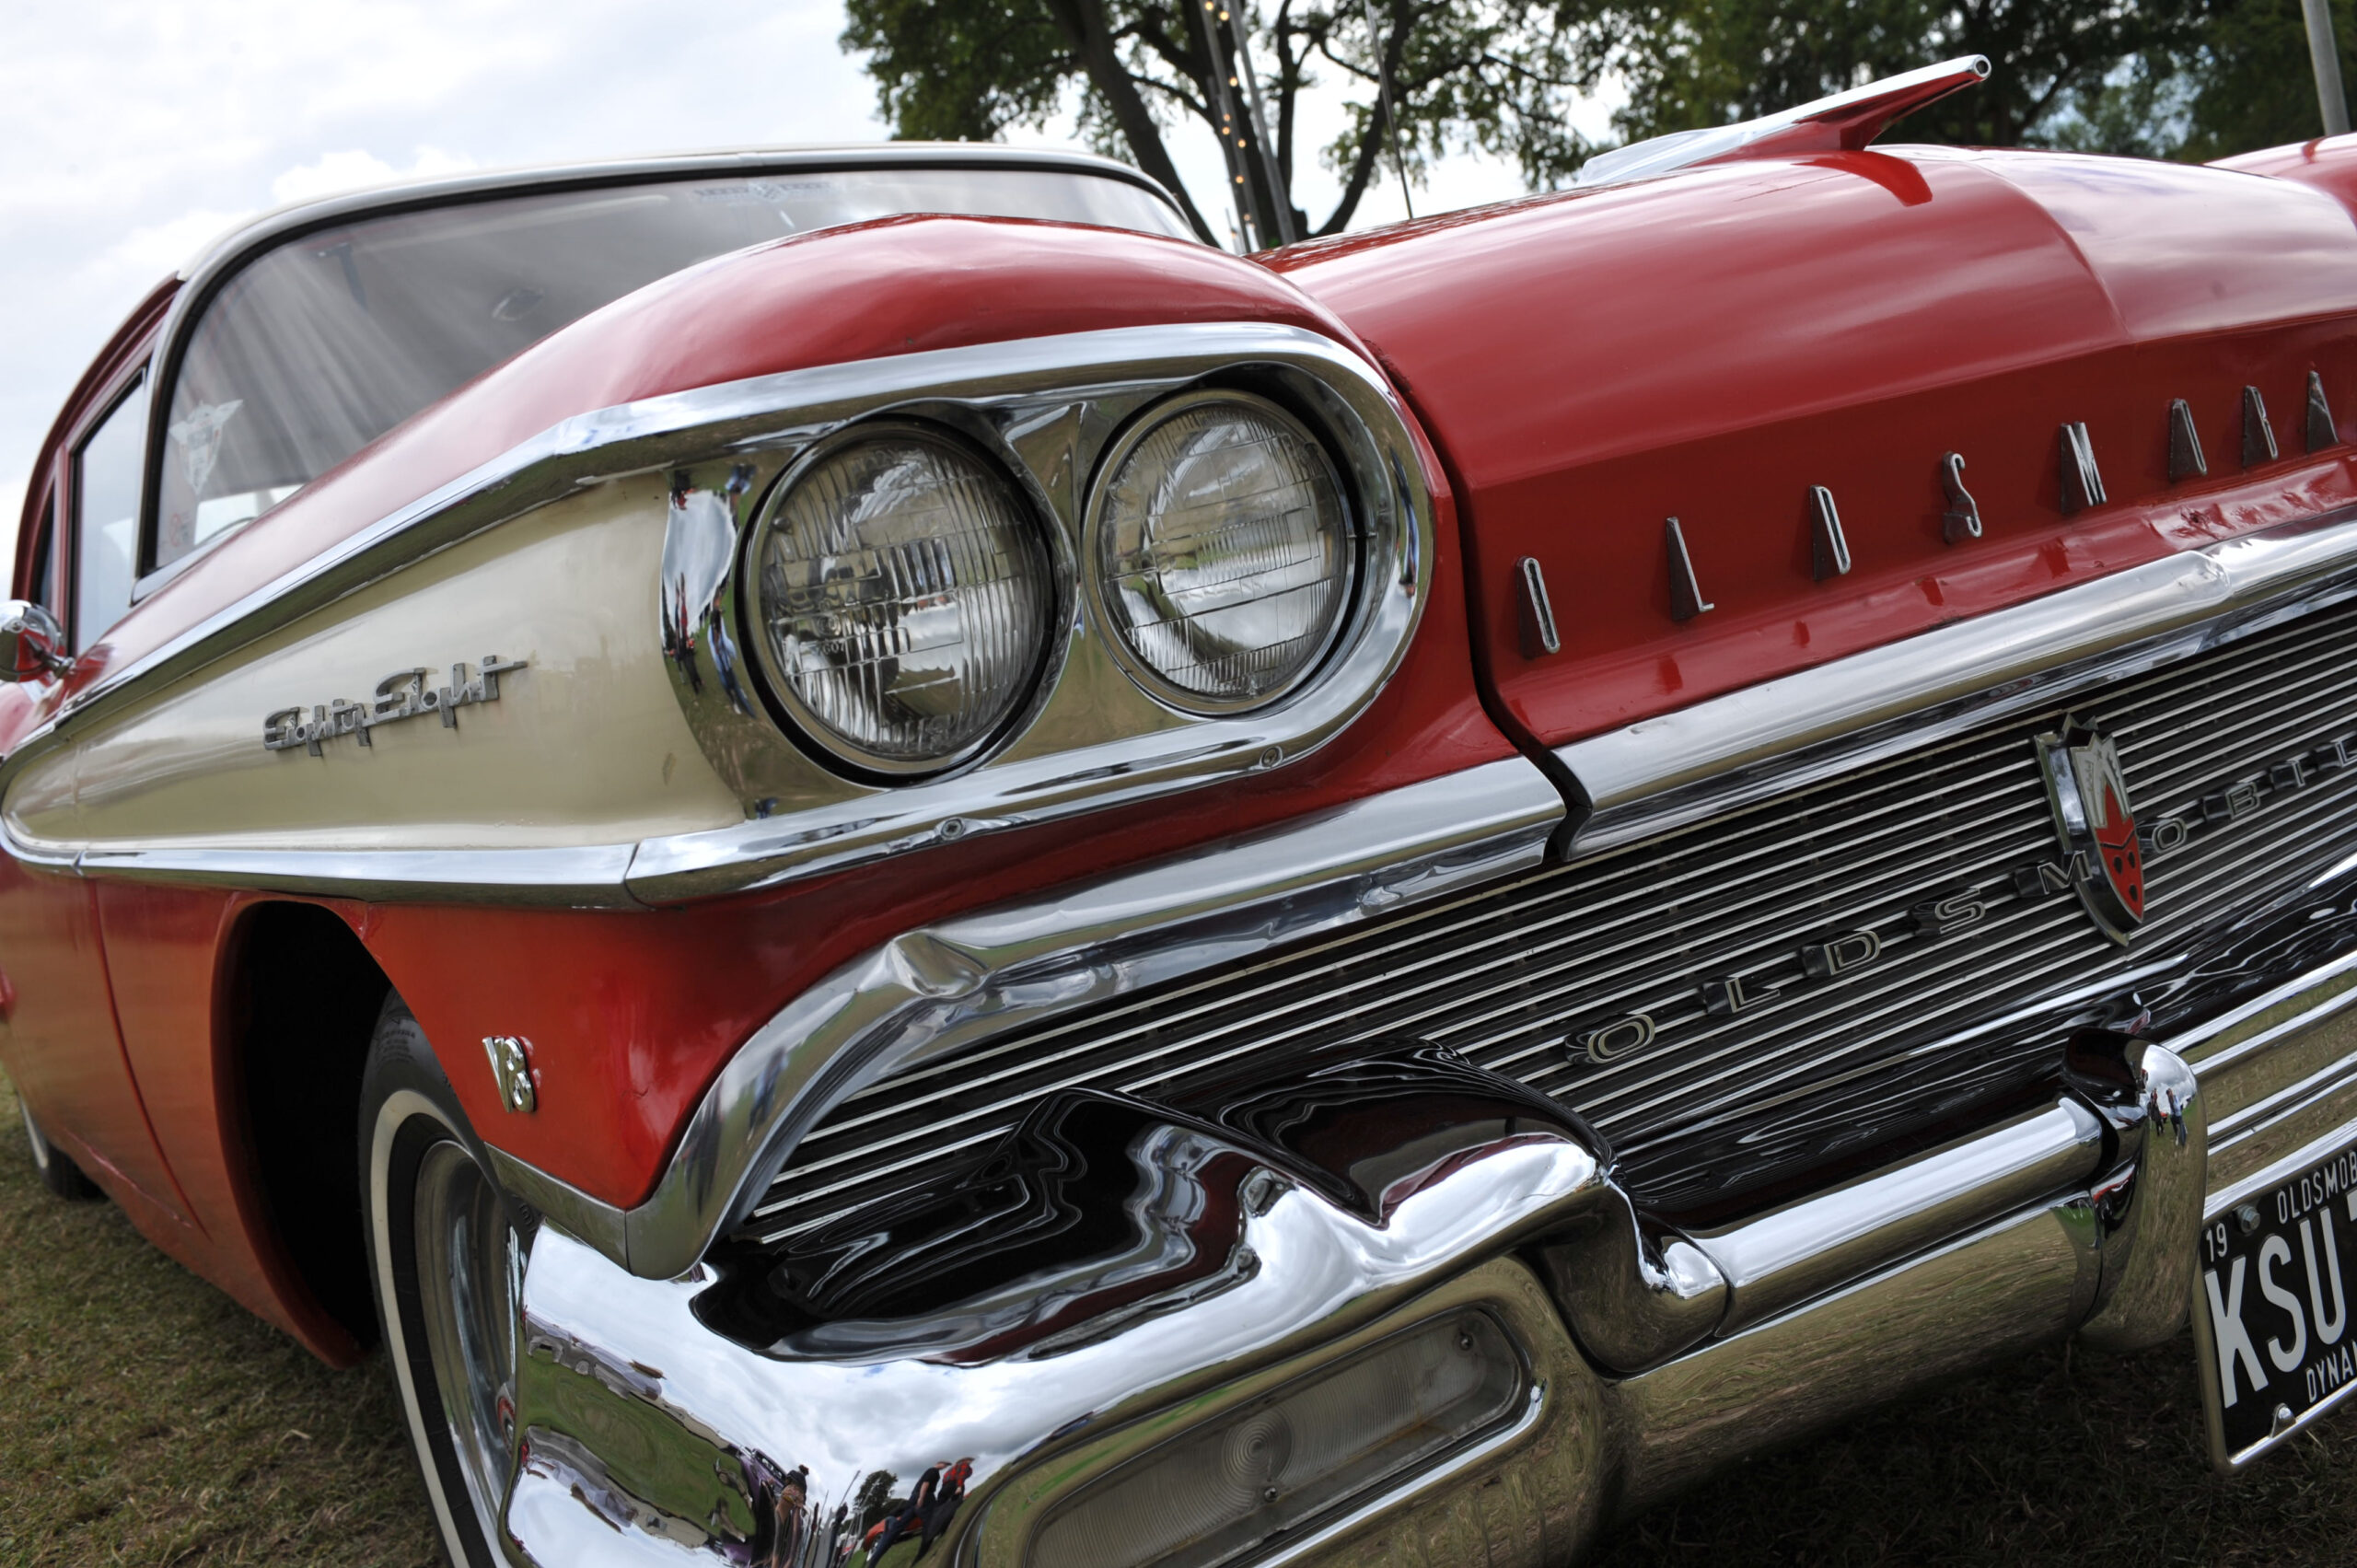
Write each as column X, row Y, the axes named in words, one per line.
column 2271, row 1309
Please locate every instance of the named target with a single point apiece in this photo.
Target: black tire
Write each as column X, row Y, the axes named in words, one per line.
column 58, row 1171
column 451, row 1331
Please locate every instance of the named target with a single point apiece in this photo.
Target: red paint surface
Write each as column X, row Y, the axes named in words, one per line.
column 2328, row 163
column 61, row 1049
column 631, row 1014
column 170, row 949
column 1711, row 346
column 1708, row 346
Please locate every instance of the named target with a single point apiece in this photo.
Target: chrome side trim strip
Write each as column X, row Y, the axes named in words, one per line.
column 769, row 413
column 590, row 877
column 935, row 988
column 1784, row 733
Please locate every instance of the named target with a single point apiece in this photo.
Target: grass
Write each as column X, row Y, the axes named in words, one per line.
column 148, row 1418
column 145, row 1419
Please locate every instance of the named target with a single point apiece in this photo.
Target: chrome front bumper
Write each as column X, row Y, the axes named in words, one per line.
column 1652, row 1359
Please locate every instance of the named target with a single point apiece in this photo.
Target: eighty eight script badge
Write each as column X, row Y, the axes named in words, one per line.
column 2101, row 858
column 405, row 695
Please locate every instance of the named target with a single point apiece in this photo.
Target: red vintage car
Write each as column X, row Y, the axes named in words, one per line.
column 1050, row 898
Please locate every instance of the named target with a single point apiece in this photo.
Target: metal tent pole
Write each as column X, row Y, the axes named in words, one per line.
column 1279, row 193
column 2324, row 52
column 1383, row 97
column 1231, row 141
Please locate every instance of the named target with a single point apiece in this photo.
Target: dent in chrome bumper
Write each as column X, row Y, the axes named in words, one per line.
column 650, row 1435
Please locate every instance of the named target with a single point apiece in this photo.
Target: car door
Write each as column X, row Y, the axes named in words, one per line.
column 63, row 1049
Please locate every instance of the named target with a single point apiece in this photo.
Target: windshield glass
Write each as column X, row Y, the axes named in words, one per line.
column 326, row 343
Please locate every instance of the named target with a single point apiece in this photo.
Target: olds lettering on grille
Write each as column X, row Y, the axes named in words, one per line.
column 2101, row 849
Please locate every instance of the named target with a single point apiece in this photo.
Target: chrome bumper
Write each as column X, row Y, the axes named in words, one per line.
column 1652, row 1358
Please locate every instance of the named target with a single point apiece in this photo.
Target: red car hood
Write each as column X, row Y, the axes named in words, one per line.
column 1712, row 345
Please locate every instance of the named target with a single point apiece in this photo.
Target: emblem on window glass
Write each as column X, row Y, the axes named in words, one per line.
column 2101, row 858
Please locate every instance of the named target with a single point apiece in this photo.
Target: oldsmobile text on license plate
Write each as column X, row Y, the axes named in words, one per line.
column 2271, row 1308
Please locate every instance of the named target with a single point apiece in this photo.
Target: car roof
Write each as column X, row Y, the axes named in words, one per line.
column 230, row 249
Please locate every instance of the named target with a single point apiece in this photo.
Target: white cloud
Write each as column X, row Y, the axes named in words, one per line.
column 159, row 248
column 353, row 170
column 131, row 132
column 12, row 504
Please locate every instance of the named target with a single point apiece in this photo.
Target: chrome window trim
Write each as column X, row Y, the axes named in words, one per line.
column 935, row 988
column 775, row 416
column 201, row 278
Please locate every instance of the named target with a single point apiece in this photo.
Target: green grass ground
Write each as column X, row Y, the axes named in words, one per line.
column 148, row 1420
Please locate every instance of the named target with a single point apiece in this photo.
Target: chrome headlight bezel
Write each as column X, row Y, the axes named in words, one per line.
column 824, row 741
column 1046, row 411
column 1108, row 616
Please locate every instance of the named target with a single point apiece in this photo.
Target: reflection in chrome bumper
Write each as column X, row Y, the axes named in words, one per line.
column 651, row 1437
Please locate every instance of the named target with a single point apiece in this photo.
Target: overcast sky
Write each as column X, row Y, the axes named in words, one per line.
column 132, row 133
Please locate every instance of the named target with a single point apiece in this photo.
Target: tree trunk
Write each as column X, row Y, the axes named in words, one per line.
column 1378, row 126
column 1083, row 25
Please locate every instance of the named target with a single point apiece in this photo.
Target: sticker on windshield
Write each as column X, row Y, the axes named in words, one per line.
column 199, row 439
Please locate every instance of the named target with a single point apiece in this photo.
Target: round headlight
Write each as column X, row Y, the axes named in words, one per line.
column 902, row 597
column 1223, row 554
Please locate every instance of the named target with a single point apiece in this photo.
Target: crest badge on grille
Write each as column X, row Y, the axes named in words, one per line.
column 2101, row 857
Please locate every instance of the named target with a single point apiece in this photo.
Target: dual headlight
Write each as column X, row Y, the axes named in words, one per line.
column 905, row 598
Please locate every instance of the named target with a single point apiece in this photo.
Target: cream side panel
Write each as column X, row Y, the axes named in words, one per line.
column 586, row 745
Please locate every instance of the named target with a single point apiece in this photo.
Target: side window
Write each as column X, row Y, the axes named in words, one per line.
column 37, row 588
column 106, row 514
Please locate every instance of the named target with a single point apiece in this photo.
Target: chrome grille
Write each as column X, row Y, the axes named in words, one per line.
column 1719, row 1109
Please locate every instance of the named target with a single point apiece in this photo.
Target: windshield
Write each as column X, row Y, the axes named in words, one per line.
column 326, row 343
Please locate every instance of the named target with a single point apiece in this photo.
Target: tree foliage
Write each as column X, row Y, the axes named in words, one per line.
column 1418, row 78
column 1691, row 62
column 2157, row 78
column 2242, row 77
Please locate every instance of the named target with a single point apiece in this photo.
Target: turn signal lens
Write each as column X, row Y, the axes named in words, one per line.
column 902, row 600
column 1223, row 552
column 1342, row 1434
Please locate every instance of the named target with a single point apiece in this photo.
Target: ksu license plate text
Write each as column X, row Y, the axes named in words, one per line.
column 2271, row 1312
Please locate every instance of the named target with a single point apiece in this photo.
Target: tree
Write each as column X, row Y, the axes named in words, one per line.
column 2156, row 78
column 2243, row 80
column 2159, row 78
column 1423, row 76
column 1692, row 63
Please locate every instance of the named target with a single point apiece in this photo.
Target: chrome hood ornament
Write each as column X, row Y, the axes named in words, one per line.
column 2101, row 857
column 1845, row 121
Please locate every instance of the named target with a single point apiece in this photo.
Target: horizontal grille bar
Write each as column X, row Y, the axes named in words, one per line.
column 1723, row 1104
